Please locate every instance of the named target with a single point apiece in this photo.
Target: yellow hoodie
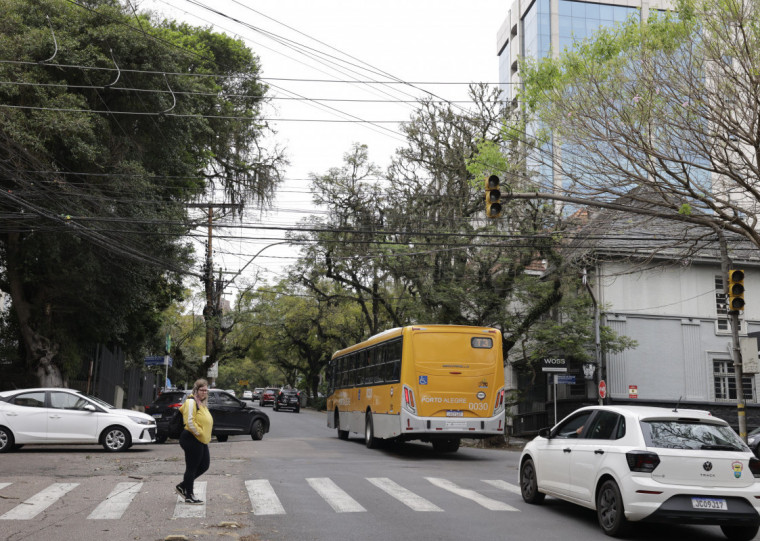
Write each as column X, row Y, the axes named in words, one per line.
column 198, row 420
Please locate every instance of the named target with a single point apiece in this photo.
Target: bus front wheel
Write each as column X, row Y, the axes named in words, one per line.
column 342, row 434
column 369, row 432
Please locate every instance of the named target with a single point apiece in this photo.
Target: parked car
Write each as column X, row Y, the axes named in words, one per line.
column 633, row 463
column 231, row 417
column 288, row 399
column 267, row 397
column 162, row 410
column 248, row 395
column 58, row 416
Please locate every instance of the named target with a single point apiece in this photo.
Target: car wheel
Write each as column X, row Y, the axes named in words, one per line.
column 257, row 430
column 342, row 434
column 610, row 510
column 446, row 446
column 115, row 438
column 162, row 438
column 529, row 483
column 369, row 432
column 740, row 533
column 221, row 438
column 6, row 440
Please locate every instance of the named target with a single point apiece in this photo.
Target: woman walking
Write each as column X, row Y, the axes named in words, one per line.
column 194, row 439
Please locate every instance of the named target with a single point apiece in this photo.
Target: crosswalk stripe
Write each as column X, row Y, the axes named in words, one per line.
column 407, row 497
column 117, row 502
column 503, row 485
column 488, row 503
column 188, row 510
column 338, row 499
column 3, row 485
column 39, row 502
column 263, row 498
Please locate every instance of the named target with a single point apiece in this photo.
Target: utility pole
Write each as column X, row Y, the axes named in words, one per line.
column 211, row 310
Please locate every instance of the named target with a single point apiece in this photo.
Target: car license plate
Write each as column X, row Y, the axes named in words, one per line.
column 157, row 415
column 455, row 424
column 454, row 413
column 719, row 504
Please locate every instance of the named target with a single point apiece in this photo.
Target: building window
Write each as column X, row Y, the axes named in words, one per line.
column 721, row 307
column 725, row 381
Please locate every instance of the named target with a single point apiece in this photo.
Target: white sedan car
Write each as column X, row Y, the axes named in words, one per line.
column 633, row 463
column 54, row 416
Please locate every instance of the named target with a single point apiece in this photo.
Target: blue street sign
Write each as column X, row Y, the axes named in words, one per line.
column 157, row 360
column 565, row 379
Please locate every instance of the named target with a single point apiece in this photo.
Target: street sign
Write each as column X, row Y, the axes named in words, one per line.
column 633, row 391
column 554, row 364
column 602, row 389
column 564, row 378
column 158, row 360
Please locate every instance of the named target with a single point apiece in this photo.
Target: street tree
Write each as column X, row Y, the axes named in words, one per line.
column 662, row 114
column 110, row 123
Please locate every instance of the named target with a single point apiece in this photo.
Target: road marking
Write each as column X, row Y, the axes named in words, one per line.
column 39, row 502
column 263, row 499
column 488, row 503
column 503, row 485
column 188, row 510
column 3, row 485
column 407, row 497
column 117, row 502
column 339, row 500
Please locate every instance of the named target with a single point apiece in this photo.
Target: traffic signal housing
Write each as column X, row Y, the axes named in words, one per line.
column 735, row 290
column 493, row 197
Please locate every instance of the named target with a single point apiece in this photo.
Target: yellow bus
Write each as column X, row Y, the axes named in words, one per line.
column 436, row 383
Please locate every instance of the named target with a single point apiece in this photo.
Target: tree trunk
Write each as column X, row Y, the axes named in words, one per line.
column 40, row 351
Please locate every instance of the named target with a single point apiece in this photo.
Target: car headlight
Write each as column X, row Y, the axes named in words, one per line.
column 141, row 421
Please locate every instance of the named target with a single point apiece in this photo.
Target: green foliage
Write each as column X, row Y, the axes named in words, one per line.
column 104, row 255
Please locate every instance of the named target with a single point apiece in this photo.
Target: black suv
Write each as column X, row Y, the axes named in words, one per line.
column 231, row 417
column 288, row 399
column 163, row 410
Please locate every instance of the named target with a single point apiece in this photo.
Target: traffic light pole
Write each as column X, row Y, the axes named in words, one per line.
column 736, row 355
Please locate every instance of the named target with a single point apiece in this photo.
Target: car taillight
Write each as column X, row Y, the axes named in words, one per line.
column 642, row 461
column 754, row 466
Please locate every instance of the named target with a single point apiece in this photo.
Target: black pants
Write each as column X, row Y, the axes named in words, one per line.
column 197, row 459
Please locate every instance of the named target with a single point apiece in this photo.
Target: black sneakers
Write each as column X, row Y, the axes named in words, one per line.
column 189, row 498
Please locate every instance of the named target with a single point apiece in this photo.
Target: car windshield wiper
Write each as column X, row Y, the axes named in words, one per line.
column 717, row 447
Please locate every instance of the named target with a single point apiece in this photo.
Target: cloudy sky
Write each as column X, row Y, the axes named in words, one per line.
column 342, row 71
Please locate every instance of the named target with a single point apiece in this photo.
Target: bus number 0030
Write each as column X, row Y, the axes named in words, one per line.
column 475, row 406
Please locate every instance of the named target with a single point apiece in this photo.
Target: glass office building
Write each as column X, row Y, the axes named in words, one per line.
column 537, row 28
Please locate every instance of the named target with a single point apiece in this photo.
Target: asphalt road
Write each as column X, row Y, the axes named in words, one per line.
column 299, row 483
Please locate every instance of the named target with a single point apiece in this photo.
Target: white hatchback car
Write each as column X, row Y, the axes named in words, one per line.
column 54, row 416
column 633, row 463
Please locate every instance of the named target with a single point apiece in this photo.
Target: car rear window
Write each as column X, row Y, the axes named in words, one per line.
column 691, row 434
column 168, row 398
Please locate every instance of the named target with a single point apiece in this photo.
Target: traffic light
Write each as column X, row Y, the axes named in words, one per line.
column 735, row 290
column 493, row 197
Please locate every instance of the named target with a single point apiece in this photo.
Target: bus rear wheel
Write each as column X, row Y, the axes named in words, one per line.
column 446, row 446
column 342, row 434
column 369, row 432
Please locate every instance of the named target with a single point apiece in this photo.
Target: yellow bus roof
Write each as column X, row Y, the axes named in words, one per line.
column 398, row 331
